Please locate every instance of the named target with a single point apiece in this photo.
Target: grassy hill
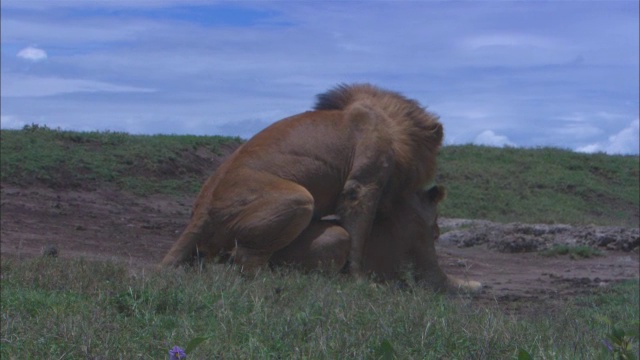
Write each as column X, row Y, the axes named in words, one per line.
column 501, row 184
column 540, row 185
column 78, row 309
column 137, row 163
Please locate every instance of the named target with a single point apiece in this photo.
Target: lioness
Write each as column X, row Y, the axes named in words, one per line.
column 358, row 150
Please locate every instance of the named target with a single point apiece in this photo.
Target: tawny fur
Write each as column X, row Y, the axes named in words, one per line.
column 413, row 226
column 358, row 150
column 417, row 133
column 401, row 244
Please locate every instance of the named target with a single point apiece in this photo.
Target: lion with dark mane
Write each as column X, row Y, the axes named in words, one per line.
column 362, row 155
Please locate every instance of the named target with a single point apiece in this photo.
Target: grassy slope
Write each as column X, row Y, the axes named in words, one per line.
column 540, row 185
column 527, row 185
column 137, row 163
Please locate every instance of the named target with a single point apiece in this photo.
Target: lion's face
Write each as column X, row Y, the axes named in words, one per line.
column 428, row 210
column 405, row 233
column 416, row 217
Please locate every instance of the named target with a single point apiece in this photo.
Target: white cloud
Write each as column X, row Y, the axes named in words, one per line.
column 11, row 122
column 578, row 131
column 31, row 86
column 515, row 49
column 579, row 117
column 495, row 68
column 507, row 40
column 489, row 138
column 573, row 118
column 589, row 148
column 610, row 116
column 627, row 141
column 32, row 53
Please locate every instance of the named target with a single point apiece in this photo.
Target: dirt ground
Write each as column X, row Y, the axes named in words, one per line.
column 112, row 225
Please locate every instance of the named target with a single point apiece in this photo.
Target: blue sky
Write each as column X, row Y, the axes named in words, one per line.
column 515, row 73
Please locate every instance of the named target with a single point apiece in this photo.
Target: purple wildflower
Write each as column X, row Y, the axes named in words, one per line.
column 606, row 343
column 177, row 353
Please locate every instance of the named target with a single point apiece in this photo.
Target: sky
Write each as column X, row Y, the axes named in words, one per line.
column 498, row 73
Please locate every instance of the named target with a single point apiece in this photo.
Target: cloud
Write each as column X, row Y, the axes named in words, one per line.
column 489, row 138
column 11, row 122
column 508, row 40
column 32, row 86
column 590, row 149
column 578, row 131
column 31, row 53
column 496, row 68
column 627, row 141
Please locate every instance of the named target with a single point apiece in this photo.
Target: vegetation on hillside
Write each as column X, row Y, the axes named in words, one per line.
column 501, row 184
column 543, row 185
column 140, row 164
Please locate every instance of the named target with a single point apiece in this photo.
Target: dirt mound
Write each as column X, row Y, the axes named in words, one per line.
column 519, row 238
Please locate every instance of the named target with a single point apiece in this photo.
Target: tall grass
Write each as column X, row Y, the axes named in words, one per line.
column 72, row 309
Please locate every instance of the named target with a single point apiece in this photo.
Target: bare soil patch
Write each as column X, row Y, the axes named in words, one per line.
column 507, row 259
column 107, row 224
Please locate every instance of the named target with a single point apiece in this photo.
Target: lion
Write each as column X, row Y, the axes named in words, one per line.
column 360, row 148
column 402, row 241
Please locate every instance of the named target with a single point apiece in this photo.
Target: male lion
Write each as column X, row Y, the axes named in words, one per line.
column 361, row 148
column 402, row 241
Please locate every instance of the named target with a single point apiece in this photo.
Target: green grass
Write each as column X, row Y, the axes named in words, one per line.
column 574, row 252
column 540, row 185
column 501, row 184
column 141, row 164
column 74, row 309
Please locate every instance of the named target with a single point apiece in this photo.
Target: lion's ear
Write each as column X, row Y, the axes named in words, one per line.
column 434, row 194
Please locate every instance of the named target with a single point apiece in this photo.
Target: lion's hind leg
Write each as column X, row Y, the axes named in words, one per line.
column 270, row 224
column 321, row 246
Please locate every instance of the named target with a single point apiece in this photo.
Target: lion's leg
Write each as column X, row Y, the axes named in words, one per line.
column 270, row 223
column 198, row 231
column 322, row 246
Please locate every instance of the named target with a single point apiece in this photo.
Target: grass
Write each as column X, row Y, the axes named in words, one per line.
column 501, row 184
column 140, row 164
column 543, row 185
column 72, row 309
